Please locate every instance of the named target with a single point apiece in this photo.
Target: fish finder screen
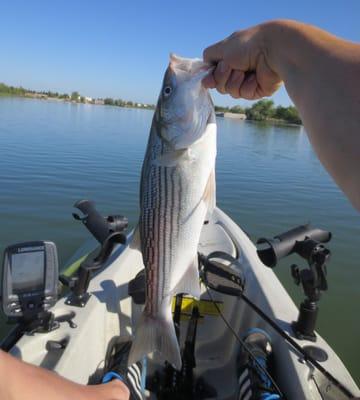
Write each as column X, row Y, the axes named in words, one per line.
column 27, row 271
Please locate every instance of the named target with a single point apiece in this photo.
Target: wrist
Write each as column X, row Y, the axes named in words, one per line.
column 2, row 362
column 4, row 383
column 293, row 48
column 283, row 46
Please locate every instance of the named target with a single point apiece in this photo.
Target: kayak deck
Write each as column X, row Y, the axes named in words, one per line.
column 111, row 312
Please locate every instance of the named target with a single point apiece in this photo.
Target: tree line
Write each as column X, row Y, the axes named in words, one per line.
column 265, row 110
column 74, row 97
column 20, row 91
column 108, row 101
column 15, row 91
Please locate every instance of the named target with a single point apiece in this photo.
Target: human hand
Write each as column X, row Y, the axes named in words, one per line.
column 243, row 67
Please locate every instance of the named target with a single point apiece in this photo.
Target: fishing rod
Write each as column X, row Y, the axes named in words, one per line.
column 238, row 285
column 172, row 384
column 237, row 279
column 243, row 344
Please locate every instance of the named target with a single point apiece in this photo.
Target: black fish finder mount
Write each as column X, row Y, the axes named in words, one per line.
column 108, row 231
column 307, row 242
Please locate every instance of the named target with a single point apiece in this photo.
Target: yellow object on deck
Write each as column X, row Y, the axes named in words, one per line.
column 206, row 307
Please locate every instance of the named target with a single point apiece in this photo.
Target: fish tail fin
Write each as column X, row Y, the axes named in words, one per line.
column 156, row 335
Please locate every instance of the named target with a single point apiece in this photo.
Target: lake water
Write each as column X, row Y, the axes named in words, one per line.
column 268, row 180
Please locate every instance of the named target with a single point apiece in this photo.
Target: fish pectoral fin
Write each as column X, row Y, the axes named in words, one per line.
column 189, row 283
column 135, row 240
column 156, row 335
column 209, row 195
column 171, row 159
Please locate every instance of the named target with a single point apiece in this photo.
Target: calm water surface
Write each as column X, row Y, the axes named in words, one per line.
column 268, row 180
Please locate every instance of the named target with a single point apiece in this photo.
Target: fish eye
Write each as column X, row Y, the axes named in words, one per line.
column 167, row 90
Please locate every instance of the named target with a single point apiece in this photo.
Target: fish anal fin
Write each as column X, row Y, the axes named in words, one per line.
column 189, row 282
column 135, row 240
column 209, row 195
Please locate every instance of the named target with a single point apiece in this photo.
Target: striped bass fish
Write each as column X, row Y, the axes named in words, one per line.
column 177, row 191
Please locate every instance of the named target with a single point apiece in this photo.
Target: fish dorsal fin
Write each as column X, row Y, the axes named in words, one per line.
column 209, row 195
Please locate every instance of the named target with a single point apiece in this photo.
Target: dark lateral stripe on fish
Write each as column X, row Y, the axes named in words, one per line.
column 172, row 210
column 153, row 231
column 172, row 231
column 150, row 223
column 154, row 206
column 164, row 226
column 161, row 217
column 159, row 279
column 180, row 198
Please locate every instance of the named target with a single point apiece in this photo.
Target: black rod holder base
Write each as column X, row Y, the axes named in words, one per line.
column 304, row 327
column 77, row 301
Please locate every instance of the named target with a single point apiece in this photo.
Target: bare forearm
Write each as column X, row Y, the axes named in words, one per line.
column 26, row 382
column 21, row 381
column 322, row 76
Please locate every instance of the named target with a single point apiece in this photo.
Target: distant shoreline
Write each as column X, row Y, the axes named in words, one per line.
column 262, row 111
column 67, row 100
column 228, row 116
column 269, row 121
column 74, row 97
column 275, row 122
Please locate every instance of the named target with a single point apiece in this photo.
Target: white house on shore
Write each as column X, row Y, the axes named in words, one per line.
column 231, row 115
column 234, row 115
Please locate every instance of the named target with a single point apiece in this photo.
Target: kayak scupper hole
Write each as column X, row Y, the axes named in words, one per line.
column 316, row 352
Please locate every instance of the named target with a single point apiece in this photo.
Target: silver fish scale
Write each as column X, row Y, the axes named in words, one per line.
column 159, row 223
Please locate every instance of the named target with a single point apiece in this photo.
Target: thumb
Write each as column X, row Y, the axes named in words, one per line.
column 214, row 53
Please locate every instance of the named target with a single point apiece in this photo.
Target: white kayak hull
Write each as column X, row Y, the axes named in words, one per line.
column 111, row 312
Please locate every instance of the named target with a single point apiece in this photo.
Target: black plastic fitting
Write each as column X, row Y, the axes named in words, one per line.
column 287, row 243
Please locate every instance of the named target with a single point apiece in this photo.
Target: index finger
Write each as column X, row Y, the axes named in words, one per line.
column 214, row 53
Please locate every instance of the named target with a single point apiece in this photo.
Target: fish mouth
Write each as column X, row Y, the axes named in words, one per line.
column 192, row 66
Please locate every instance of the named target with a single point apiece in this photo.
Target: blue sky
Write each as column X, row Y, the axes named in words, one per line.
column 120, row 49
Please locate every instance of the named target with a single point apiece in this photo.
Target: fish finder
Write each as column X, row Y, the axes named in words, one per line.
column 29, row 279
